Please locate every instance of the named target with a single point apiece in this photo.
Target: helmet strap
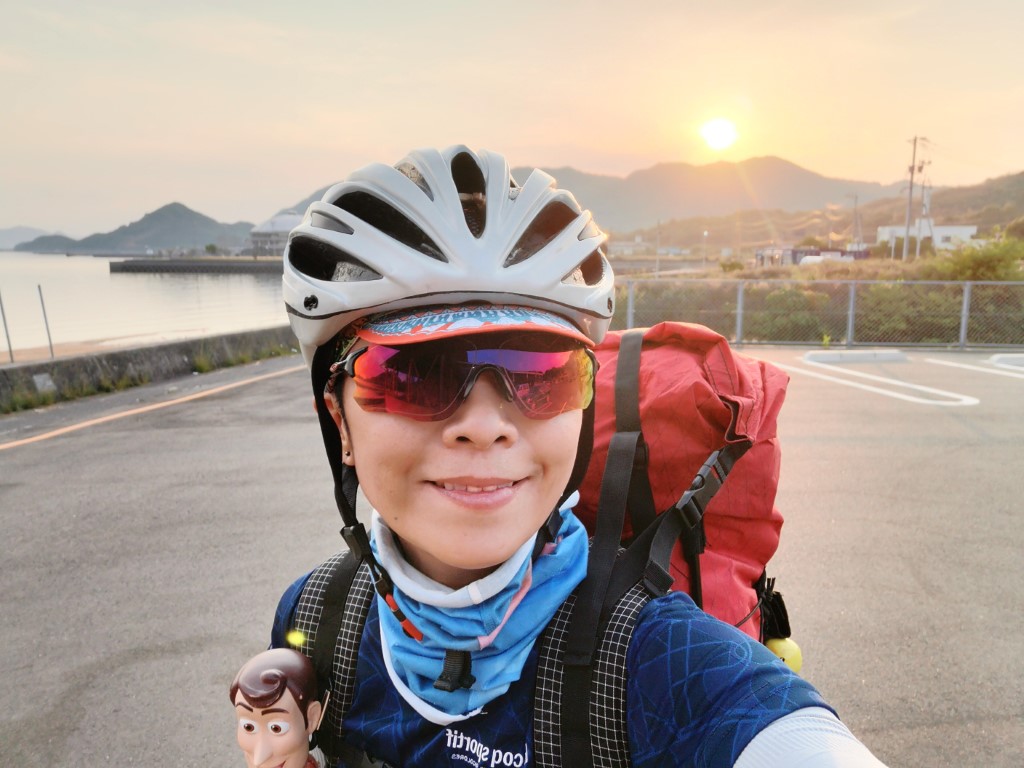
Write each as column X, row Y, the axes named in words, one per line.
column 583, row 451
column 346, row 481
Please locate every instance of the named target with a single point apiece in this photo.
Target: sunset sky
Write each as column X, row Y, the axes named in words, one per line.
column 113, row 108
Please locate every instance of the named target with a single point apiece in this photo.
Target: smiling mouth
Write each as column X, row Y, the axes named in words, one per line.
column 474, row 488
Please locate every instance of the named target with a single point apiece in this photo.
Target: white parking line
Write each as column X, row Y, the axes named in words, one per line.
column 954, row 398
column 1009, row 360
column 981, row 368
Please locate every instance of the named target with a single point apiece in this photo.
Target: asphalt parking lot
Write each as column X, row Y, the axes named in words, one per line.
column 145, row 547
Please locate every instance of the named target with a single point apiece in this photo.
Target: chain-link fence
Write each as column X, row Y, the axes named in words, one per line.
column 869, row 312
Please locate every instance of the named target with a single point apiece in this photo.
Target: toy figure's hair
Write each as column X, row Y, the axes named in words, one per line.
column 264, row 678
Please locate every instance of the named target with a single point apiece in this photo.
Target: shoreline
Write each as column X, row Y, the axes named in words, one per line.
column 66, row 349
column 214, row 264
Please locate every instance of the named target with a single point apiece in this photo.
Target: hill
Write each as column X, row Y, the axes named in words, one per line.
column 11, row 236
column 172, row 227
column 993, row 203
column 680, row 190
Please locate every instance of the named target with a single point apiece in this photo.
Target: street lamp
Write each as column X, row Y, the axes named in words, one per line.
column 704, row 251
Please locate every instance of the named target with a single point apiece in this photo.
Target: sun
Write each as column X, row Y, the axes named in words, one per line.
column 719, row 133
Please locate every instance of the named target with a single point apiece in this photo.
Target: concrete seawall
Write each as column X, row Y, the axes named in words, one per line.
column 70, row 377
column 195, row 266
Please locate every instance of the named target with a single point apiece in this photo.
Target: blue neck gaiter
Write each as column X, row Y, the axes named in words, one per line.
column 496, row 619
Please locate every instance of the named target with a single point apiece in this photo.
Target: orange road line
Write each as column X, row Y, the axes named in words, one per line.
column 146, row 408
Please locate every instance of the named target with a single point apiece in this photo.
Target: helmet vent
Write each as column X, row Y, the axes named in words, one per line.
column 389, row 220
column 547, row 225
column 411, row 172
column 326, row 222
column 587, row 272
column 324, row 262
column 469, row 181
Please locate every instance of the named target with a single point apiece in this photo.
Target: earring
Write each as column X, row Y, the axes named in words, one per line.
column 348, row 453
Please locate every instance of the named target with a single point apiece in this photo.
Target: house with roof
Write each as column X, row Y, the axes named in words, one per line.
column 270, row 237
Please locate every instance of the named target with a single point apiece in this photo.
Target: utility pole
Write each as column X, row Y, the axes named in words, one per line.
column 858, row 235
column 657, row 251
column 925, row 213
column 910, row 193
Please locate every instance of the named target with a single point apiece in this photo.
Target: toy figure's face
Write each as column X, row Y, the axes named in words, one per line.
column 275, row 736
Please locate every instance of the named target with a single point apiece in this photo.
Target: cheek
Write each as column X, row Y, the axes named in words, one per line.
column 387, row 448
column 246, row 741
column 291, row 743
column 557, row 440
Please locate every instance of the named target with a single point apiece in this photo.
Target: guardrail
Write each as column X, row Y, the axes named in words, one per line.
column 835, row 313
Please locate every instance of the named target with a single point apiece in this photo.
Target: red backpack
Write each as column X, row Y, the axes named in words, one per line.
column 688, row 409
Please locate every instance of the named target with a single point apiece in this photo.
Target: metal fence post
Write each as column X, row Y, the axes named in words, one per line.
column 46, row 322
column 629, row 304
column 965, row 313
column 850, row 313
column 739, row 311
column 3, row 316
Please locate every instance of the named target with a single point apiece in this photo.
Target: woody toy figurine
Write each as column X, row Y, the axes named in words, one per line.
column 276, row 702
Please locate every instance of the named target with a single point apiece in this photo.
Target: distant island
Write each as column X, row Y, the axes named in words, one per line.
column 11, row 236
column 172, row 228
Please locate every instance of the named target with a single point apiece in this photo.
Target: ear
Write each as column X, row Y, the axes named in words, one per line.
column 314, row 714
column 331, row 400
column 347, row 456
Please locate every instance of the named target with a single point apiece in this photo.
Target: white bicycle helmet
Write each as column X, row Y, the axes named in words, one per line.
column 444, row 227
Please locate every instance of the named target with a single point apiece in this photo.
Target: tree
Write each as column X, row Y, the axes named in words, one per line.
column 1015, row 229
column 211, row 249
column 812, row 242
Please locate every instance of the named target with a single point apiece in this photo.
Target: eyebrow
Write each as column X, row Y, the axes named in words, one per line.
column 269, row 711
column 243, row 704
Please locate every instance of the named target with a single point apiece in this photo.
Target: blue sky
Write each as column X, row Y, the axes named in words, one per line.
column 114, row 108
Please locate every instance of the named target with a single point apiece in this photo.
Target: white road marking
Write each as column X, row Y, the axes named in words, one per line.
column 954, row 398
column 981, row 368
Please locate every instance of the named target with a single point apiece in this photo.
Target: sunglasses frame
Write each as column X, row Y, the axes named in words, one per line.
column 347, row 366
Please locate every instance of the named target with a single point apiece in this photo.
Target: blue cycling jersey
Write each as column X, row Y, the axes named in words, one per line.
column 698, row 691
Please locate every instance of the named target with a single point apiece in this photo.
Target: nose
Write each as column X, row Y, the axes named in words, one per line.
column 263, row 752
column 485, row 416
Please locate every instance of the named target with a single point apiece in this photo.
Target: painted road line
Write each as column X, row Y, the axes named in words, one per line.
column 147, row 408
column 855, row 356
column 982, row 368
column 1009, row 360
column 954, row 398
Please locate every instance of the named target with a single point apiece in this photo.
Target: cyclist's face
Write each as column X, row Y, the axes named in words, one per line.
column 463, row 493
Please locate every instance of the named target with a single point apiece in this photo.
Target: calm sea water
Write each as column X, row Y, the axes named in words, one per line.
column 86, row 303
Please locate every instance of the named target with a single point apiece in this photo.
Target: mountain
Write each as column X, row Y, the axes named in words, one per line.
column 993, row 203
column 172, row 227
column 11, row 236
column 679, row 190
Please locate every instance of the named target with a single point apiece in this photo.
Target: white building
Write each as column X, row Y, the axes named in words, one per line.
column 270, row 237
column 945, row 237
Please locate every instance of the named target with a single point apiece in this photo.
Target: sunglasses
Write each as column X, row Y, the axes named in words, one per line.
column 428, row 381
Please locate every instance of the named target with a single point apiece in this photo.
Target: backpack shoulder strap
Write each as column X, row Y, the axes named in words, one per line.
column 609, row 739
column 330, row 615
column 640, row 501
